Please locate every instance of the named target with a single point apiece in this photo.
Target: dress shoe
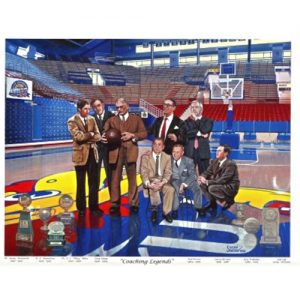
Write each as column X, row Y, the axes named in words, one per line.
column 97, row 212
column 154, row 216
column 175, row 214
column 81, row 213
column 134, row 209
column 228, row 204
column 114, row 210
column 201, row 212
column 168, row 218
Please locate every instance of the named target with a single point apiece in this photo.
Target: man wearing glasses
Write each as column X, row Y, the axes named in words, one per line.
column 198, row 129
column 132, row 130
column 169, row 127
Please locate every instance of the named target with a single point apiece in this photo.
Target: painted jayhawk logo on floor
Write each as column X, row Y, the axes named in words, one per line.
column 135, row 235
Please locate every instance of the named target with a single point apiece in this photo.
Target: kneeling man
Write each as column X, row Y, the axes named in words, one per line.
column 220, row 182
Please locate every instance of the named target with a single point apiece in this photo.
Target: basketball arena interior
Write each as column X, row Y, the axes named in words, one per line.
column 44, row 80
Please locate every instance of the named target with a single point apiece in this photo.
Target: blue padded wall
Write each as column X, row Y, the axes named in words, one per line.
column 44, row 121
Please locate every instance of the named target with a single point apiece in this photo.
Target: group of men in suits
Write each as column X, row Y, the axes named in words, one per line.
column 178, row 147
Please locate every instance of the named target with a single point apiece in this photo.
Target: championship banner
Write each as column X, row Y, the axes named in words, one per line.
column 18, row 88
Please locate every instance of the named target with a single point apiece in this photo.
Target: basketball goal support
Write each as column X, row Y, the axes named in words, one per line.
column 228, row 89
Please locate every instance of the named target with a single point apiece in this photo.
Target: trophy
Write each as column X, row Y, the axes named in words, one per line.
column 45, row 215
column 56, row 234
column 66, row 202
column 240, row 214
column 251, row 225
column 270, row 226
column 25, row 231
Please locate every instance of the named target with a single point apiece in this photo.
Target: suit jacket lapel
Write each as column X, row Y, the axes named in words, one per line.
column 152, row 163
column 172, row 125
column 79, row 123
column 182, row 164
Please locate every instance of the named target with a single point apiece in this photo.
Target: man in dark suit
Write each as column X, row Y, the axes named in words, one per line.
column 220, row 182
column 198, row 129
column 101, row 115
column 132, row 130
column 169, row 127
column 184, row 178
column 85, row 134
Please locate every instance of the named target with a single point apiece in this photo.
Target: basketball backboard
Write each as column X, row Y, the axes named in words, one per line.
column 227, row 88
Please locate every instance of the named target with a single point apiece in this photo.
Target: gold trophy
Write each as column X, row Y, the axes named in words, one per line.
column 25, row 231
column 66, row 202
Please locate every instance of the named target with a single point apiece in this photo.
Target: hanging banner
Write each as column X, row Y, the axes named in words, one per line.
column 18, row 88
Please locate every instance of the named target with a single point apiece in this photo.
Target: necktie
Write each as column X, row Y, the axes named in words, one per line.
column 156, row 166
column 176, row 163
column 100, row 121
column 85, row 124
column 163, row 130
column 122, row 118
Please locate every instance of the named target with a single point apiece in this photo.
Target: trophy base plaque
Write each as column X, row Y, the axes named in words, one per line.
column 55, row 240
column 270, row 241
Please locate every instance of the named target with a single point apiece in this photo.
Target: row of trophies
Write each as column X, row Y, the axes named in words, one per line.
column 270, row 224
column 56, row 229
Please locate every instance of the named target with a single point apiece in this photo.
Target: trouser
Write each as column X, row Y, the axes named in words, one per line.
column 90, row 169
column 168, row 195
column 103, row 157
column 194, row 187
column 216, row 192
column 116, row 177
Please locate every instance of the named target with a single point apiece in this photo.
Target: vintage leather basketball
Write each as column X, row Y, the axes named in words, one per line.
column 113, row 137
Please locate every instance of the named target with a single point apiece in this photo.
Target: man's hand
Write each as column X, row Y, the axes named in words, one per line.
column 172, row 137
column 193, row 116
column 202, row 180
column 103, row 139
column 126, row 136
column 181, row 188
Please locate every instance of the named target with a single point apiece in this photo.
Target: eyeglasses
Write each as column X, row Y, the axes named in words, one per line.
column 118, row 107
column 167, row 104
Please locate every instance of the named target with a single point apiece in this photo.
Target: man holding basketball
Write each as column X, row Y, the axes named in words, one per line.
column 132, row 130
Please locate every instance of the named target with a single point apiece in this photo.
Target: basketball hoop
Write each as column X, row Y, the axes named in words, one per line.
column 226, row 95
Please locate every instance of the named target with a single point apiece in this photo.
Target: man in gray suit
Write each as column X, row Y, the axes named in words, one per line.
column 184, row 177
column 220, row 182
